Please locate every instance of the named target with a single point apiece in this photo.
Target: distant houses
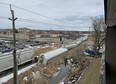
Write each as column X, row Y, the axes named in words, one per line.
column 24, row 30
column 32, row 33
column 6, row 31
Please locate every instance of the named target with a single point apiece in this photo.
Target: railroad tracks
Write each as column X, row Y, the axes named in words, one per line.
column 75, row 77
column 10, row 71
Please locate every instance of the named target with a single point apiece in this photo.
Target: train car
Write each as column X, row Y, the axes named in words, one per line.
column 23, row 56
column 75, row 43
column 69, row 46
column 46, row 57
column 26, row 54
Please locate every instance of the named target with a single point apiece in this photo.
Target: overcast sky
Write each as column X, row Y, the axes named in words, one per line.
column 73, row 13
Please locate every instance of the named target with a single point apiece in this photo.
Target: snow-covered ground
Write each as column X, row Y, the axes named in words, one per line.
column 6, row 78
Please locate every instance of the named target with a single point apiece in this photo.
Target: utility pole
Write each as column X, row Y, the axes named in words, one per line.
column 14, row 47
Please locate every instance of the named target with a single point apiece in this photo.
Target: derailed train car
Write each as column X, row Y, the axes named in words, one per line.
column 46, row 57
column 52, row 54
column 76, row 42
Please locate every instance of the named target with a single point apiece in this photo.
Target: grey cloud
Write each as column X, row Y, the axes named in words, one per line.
column 74, row 18
column 71, row 12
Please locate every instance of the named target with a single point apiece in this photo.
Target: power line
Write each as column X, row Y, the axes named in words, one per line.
column 4, row 3
column 32, row 21
column 30, row 11
column 39, row 22
column 4, row 17
column 36, row 22
column 36, row 13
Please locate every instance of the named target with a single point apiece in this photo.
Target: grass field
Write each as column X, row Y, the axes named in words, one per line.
column 91, row 76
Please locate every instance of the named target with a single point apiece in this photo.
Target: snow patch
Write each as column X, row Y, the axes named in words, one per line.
column 25, row 78
column 37, row 75
column 56, row 74
column 33, row 73
column 8, row 77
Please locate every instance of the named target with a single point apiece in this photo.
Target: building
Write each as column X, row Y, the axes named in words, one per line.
column 110, row 52
column 24, row 30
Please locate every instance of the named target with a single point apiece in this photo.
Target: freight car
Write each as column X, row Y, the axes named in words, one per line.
column 46, row 57
column 26, row 54
column 76, row 42
column 23, row 56
column 52, row 54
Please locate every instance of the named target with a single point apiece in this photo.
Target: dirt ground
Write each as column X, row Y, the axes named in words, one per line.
column 91, row 76
column 30, row 78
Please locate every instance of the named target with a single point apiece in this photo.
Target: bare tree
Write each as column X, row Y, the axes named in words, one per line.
column 99, row 30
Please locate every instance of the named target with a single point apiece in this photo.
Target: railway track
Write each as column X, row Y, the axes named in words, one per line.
column 10, row 71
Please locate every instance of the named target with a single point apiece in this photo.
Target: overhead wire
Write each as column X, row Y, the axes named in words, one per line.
column 37, row 22
column 30, row 11
column 4, row 17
